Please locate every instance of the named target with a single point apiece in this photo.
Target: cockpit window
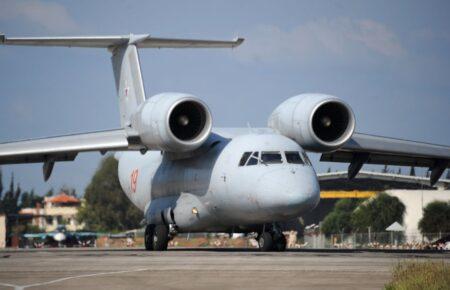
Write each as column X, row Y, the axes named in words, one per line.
column 305, row 157
column 271, row 157
column 253, row 159
column 294, row 157
column 244, row 158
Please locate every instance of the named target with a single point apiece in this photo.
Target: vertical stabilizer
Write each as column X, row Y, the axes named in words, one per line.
column 125, row 59
column 128, row 77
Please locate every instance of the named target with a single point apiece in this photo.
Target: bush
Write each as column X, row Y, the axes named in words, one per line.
column 420, row 275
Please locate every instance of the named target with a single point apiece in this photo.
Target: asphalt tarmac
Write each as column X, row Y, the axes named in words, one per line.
column 199, row 269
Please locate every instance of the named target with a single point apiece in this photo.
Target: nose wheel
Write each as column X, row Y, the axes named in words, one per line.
column 272, row 240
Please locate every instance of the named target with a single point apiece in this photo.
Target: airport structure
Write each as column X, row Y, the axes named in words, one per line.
column 414, row 192
column 61, row 209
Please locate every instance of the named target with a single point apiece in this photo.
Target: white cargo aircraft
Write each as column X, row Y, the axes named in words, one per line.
column 187, row 176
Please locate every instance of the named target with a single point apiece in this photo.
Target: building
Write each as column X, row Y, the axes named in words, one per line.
column 414, row 192
column 61, row 209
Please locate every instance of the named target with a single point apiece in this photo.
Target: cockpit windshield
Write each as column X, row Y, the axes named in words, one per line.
column 274, row 157
column 271, row 157
column 253, row 159
column 305, row 157
column 244, row 158
column 293, row 157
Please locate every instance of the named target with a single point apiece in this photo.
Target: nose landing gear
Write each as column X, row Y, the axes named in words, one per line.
column 272, row 239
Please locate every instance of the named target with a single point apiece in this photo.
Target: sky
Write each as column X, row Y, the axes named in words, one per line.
column 388, row 59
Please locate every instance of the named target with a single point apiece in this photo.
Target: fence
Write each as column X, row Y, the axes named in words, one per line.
column 382, row 240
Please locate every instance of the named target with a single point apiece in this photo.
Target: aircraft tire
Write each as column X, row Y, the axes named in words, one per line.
column 265, row 242
column 160, row 238
column 280, row 244
column 148, row 237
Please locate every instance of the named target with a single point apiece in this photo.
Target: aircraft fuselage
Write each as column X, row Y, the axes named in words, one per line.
column 214, row 191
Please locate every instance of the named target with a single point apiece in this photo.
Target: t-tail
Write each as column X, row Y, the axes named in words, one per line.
column 125, row 59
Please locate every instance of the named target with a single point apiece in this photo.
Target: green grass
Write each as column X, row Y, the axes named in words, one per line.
column 420, row 275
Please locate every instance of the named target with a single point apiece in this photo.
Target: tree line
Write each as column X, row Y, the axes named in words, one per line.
column 357, row 216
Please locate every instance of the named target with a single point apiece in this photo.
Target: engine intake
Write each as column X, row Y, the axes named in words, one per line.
column 187, row 120
column 173, row 122
column 318, row 122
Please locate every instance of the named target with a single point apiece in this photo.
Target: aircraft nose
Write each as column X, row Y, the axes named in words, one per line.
column 288, row 192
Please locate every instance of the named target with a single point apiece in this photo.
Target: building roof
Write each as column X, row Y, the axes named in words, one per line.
column 388, row 180
column 63, row 198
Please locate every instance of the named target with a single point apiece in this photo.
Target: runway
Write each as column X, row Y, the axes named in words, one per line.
column 199, row 269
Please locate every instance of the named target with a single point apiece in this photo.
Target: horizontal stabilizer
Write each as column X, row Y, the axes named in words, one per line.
column 140, row 40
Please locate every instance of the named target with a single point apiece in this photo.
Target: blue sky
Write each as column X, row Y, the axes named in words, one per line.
column 388, row 59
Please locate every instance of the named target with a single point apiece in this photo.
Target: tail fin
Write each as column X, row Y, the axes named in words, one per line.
column 128, row 77
column 125, row 59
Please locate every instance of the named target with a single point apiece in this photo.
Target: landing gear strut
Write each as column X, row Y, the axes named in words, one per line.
column 157, row 237
column 272, row 239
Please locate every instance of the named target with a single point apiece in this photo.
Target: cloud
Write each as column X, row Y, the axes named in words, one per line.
column 53, row 17
column 324, row 38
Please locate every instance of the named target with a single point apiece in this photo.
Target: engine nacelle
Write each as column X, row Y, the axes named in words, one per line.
column 317, row 122
column 173, row 122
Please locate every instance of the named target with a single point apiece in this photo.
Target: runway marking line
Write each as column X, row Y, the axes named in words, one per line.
column 20, row 287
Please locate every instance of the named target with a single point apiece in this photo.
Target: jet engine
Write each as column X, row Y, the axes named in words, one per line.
column 317, row 122
column 173, row 122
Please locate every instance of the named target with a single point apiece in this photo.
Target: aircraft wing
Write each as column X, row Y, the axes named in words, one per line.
column 41, row 236
column 370, row 149
column 66, row 148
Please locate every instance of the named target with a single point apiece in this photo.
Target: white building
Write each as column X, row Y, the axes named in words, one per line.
column 61, row 209
column 415, row 201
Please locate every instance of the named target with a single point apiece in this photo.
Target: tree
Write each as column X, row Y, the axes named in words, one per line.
column 9, row 201
column 339, row 220
column 412, row 172
column 378, row 213
column 29, row 199
column 436, row 218
column 49, row 193
column 329, row 170
column 68, row 190
column 399, row 171
column 106, row 207
column 385, row 169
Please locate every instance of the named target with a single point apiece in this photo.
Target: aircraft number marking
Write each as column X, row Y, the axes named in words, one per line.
column 134, row 177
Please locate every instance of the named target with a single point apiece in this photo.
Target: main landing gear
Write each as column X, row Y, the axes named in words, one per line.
column 272, row 239
column 157, row 237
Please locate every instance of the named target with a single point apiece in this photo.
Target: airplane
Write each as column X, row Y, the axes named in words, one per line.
column 61, row 237
column 187, row 176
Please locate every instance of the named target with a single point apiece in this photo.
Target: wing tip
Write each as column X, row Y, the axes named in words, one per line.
column 238, row 41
